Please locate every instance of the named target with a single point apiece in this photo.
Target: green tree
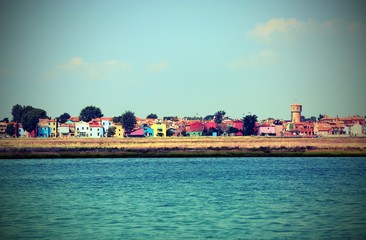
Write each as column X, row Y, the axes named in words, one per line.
column 184, row 133
column 90, row 112
column 31, row 118
column 170, row 132
column 128, row 121
column 219, row 116
column 152, row 116
column 320, row 117
column 249, row 125
column 117, row 119
column 6, row 120
column 63, row 117
column 17, row 112
column 111, row 131
column 209, row 117
column 10, row 130
column 233, row 130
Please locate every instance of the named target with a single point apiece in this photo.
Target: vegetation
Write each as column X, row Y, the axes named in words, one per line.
column 63, row 118
column 203, row 146
column 28, row 116
column 152, row 116
column 219, row 116
column 111, row 131
column 6, row 120
column 209, row 117
column 170, row 132
column 10, row 130
column 249, row 125
column 128, row 121
column 90, row 112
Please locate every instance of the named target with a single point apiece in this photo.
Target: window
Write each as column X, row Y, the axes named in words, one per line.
column 82, row 128
column 103, row 123
column 77, row 129
column 90, row 134
column 87, row 128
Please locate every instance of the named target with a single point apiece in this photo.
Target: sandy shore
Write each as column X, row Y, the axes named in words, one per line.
column 182, row 147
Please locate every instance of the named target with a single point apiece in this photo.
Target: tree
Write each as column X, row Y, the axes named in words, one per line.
column 117, row 119
column 30, row 121
column 111, row 131
column 219, row 116
column 6, row 120
column 170, row 132
column 249, row 125
column 63, row 117
column 90, row 112
column 10, row 130
column 233, row 130
column 128, row 121
column 152, row 116
column 320, row 117
column 17, row 112
column 209, row 117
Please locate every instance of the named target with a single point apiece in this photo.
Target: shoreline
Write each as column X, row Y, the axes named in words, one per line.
column 182, row 147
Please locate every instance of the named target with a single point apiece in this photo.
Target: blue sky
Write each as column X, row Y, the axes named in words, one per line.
column 184, row 57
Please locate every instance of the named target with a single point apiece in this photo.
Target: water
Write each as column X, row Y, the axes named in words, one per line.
column 219, row 198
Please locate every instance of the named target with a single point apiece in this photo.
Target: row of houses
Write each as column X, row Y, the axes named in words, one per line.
column 326, row 126
column 98, row 128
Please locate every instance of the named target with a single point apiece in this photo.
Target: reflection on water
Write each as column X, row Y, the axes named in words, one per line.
column 183, row 198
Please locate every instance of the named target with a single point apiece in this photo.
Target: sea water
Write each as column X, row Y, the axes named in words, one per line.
column 183, row 198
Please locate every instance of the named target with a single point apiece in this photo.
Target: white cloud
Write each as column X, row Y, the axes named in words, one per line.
column 158, row 67
column 261, row 58
column 281, row 28
column 92, row 69
column 265, row 31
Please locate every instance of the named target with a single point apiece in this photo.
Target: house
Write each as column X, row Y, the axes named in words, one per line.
column 137, row 133
column 53, row 124
column 3, row 126
column 159, row 129
column 106, row 122
column 239, row 125
column 44, row 131
column 21, row 132
column 356, row 130
column 148, row 131
column 82, row 129
column 119, row 131
column 267, row 130
column 194, row 128
column 322, row 129
column 64, row 130
column 96, row 130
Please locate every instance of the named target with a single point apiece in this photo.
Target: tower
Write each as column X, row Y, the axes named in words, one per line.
column 296, row 112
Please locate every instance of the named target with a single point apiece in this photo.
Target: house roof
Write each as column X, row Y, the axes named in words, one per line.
column 138, row 132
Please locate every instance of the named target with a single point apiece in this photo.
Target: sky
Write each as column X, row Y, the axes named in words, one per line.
column 184, row 58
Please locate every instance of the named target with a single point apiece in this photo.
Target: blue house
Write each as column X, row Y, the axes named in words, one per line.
column 44, row 131
column 148, row 132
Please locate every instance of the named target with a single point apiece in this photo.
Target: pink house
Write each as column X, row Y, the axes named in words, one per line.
column 239, row 125
column 267, row 130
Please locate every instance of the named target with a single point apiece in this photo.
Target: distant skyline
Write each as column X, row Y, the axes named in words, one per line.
column 182, row 58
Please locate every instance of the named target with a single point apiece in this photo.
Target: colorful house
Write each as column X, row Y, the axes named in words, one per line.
column 53, row 126
column 64, row 130
column 148, row 132
column 82, row 129
column 96, row 130
column 194, row 129
column 159, row 129
column 137, row 133
column 267, row 130
column 239, row 125
column 106, row 123
column 119, row 131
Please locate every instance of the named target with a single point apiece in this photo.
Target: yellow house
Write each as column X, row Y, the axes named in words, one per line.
column 53, row 125
column 159, row 129
column 119, row 130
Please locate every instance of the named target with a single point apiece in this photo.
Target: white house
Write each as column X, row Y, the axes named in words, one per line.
column 106, row 123
column 96, row 130
column 82, row 129
column 355, row 130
